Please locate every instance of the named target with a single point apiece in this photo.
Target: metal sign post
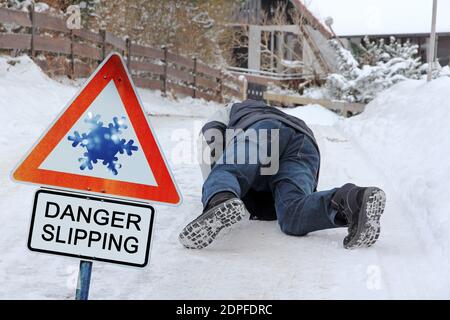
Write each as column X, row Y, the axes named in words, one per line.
column 84, row 280
column 432, row 49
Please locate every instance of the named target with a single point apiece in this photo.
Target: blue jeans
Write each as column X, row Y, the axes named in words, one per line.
column 299, row 210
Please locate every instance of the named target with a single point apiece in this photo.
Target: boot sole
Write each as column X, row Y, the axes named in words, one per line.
column 368, row 231
column 201, row 232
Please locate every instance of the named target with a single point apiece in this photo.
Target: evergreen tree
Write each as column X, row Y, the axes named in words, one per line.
column 379, row 67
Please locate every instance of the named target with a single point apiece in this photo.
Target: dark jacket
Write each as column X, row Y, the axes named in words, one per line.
column 245, row 114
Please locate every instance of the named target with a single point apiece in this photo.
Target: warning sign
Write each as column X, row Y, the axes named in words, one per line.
column 102, row 143
column 87, row 227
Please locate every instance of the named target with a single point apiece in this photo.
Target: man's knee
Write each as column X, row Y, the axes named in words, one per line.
column 291, row 222
column 292, row 231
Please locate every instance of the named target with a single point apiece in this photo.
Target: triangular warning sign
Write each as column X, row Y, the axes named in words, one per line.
column 102, row 143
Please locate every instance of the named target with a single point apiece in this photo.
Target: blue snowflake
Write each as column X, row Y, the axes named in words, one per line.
column 102, row 143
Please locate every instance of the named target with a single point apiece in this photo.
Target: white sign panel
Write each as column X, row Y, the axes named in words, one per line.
column 94, row 228
column 132, row 167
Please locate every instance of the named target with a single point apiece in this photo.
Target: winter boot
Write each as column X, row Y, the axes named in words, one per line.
column 222, row 211
column 360, row 209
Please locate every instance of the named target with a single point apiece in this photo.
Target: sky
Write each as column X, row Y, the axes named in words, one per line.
column 361, row 17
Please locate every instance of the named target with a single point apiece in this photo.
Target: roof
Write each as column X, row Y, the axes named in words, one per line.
column 312, row 19
column 381, row 17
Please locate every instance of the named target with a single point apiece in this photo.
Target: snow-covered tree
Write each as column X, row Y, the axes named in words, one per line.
column 370, row 52
column 379, row 67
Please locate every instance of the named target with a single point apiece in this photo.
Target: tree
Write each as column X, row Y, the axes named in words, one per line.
column 379, row 67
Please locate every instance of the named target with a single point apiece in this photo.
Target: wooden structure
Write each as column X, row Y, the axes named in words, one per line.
column 251, row 12
column 77, row 53
column 304, row 44
column 311, row 19
column 344, row 108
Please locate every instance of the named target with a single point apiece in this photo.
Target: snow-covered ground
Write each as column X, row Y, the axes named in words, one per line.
column 401, row 143
column 406, row 132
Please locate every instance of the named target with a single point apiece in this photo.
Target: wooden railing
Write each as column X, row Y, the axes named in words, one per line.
column 82, row 50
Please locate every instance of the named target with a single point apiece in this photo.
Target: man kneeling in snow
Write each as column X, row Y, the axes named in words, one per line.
column 264, row 163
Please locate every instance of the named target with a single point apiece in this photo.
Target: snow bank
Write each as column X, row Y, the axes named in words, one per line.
column 29, row 100
column 406, row 130
column 314, row 115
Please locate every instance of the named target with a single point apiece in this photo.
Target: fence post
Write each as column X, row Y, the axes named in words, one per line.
column 164, row 76
column 103, row 35
column 72, row 56
column 128, row 45
column 194, row 74
column 33, row 29
column 244, row 88
column 220, row 85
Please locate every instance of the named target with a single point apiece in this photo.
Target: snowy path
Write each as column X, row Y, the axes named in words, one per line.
column 252, row 261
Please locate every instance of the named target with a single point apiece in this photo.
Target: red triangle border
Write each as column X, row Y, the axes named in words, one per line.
column 112, row 68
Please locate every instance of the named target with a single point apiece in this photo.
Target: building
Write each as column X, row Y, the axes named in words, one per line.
column 311, row 47
column 442, row 52
column 294, row 49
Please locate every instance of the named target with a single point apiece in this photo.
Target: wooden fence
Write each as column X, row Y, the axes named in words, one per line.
column 77, row 52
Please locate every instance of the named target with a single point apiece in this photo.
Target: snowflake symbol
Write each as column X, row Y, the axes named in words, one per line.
column 102, row 143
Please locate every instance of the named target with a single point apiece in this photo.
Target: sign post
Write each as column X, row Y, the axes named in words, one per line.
column 102, row 147
column 84, row 280
column 432, row 49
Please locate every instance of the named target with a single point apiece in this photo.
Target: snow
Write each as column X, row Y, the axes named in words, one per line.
column 292, row 64
column 401, row 143
column 41, row 7
column 445, row 71
column 314, row 115
column 380, row 17
column 408, row 131
column 155, row 104
column 315, row 93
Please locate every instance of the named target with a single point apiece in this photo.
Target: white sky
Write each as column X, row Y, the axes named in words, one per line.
column 361, row 17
